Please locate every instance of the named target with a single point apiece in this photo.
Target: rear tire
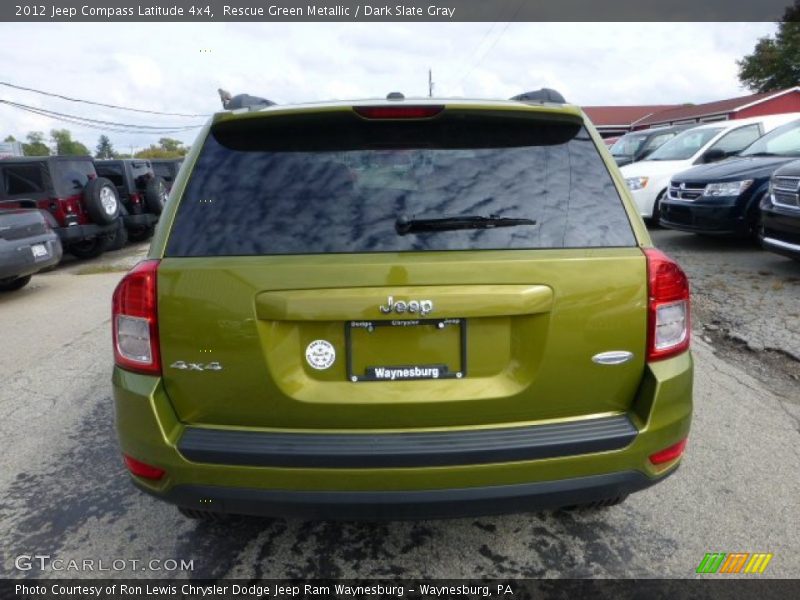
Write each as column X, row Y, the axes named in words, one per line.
column 14, row 284
column 754, row 222
column 140, row 234
column 201, row 515
column 102, row 201
column 120, row 237
column 90, row 248
column 155, row 195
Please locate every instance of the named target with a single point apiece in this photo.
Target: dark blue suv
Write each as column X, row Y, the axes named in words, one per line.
column 723, row 198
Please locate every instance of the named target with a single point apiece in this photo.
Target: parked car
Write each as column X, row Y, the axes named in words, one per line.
column 649, row 179
column 82, row 208
column 27, row 246
column 724, row 198
column 780, row 212
column 488, row 330
column 167, row 169
column 142, row 192
column 638, row 145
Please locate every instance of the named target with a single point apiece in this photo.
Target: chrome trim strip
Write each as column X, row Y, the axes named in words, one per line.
column 776, row 197
column 614, row 357
column 781, row 244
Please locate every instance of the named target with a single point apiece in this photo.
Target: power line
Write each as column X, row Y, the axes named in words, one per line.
column 114, row 106
column 115, row 123
column 497, row 39
column 100, row 124
column 474, row 52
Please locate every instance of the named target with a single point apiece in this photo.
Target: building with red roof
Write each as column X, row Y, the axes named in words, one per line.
column 617, row 120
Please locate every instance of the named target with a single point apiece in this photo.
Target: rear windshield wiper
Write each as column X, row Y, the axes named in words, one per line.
column 761, row 154
column 403, row 225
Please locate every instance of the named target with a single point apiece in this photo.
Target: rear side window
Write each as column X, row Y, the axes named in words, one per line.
column 165, row 170
column 142, row 172
column 71, row 176
column 340, row 185
column 112, row 172
column 22, row 179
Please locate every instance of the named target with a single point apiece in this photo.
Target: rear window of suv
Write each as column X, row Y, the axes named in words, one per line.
column 71, row 176
column 339, row 184
column 142, row 172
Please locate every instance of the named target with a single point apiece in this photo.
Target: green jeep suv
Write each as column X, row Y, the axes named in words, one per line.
column 400, row 309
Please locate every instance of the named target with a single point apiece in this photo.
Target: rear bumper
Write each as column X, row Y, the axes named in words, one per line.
column 139, row 221
column 79, row 233
column 407, row 504
column 455, row 474
column 410, row 449
column 16, row 256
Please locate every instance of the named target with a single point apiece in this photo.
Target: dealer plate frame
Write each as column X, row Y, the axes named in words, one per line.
column 437, row 323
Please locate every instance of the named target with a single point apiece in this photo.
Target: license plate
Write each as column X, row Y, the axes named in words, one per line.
column 39, row 251
column 406, row 350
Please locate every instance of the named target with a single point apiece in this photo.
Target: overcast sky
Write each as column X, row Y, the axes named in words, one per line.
column 176, row 67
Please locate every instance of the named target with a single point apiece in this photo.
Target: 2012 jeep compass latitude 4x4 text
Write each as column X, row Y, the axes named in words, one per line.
column 399, row 309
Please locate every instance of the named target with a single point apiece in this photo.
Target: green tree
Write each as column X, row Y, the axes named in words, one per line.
column 167, row 148
column 775, row 61
column 65, row 145
column 35, row 145
column 10, row 138
column 104, row 148
column 171, row 145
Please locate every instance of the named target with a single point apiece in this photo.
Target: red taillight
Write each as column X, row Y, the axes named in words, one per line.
column 668, row 454
column 70, row 204
column 136, row 198
column 668, row 323
column 398, row 112
column 134, row 318
column 141, row 469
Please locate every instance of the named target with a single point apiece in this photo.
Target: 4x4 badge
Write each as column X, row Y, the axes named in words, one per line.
column 189, row 366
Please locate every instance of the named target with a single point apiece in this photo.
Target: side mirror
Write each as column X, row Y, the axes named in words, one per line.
column 714, row 155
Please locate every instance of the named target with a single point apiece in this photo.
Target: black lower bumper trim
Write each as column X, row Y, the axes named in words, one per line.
column 413, row 449
column 79, row 233
column 140, row 220
column 411, row 504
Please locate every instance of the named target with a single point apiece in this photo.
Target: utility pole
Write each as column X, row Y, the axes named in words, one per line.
column 430, row 83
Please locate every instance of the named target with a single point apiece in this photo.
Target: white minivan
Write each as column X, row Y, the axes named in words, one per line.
column 648, row 179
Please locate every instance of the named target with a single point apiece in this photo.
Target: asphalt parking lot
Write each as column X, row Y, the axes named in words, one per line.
column 66, row 494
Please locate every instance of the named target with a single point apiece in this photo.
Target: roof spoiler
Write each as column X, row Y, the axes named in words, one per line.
column 541, row 96
column 242, row 101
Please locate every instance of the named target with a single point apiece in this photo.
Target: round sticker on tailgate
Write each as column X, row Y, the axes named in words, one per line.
column 320, row 354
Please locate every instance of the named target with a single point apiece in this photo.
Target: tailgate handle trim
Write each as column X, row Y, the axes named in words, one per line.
column 363, row 303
